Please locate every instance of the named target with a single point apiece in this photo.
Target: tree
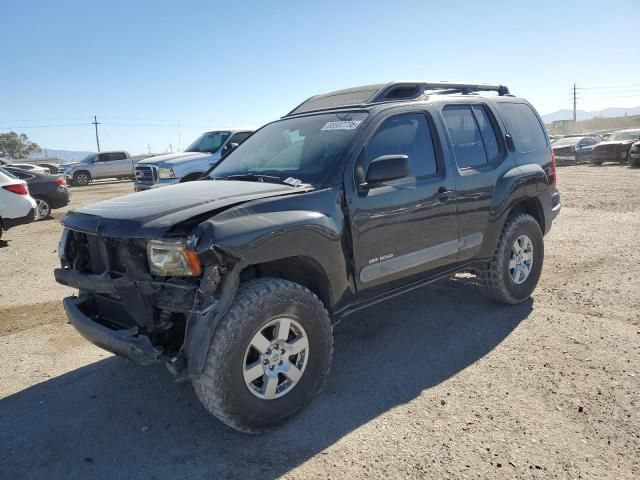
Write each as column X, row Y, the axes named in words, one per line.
column 16, row 146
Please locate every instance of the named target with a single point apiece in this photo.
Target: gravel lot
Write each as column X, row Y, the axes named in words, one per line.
column 439, row 383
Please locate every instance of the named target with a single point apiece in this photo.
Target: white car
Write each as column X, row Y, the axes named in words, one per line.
column 16, row 205
column 28, row 166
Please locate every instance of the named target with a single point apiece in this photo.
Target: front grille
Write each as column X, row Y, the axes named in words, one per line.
column 146, row 173
column 94, row 254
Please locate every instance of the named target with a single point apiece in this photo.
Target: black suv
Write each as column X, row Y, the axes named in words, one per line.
column 353, row 197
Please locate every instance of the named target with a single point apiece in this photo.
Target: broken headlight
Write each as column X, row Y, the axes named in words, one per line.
column 172, row 259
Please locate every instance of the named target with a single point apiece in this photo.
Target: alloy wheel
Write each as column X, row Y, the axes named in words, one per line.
column 276, row 358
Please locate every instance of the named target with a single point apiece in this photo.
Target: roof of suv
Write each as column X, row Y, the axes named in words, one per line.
column 393, row 92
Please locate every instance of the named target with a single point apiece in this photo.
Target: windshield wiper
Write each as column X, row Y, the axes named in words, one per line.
column 256, row 177
column 253, row 177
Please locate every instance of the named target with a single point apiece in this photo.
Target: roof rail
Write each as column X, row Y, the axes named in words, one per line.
column 389, row 92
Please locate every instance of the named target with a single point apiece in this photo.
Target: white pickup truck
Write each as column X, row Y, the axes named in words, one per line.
column 206, row 151
column 116, row 164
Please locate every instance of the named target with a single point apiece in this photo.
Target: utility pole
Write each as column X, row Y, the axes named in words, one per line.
column 575, row 98
column 149, row 148
column 171, row 148
column 95, row 124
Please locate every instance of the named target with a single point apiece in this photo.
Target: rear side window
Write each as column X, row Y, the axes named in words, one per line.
column 524, row 126
column 474, row 140
column 118, row 156
column 405, row 135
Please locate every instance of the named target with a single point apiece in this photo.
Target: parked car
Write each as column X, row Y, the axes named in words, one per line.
column 352, row 198
column 116, row 164
column 16, row 205
column 53, row 167
column 634, row 155
column 616, row 148
column 30, row 168
column 207, row 150
column 49, row 191
column 578, row 148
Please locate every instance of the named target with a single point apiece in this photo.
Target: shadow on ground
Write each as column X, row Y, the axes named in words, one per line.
column 112, row 419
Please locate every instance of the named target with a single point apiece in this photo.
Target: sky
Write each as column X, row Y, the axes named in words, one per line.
column 159, row 73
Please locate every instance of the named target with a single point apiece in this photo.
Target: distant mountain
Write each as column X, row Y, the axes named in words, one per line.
column 567, row 114
column 65, row 156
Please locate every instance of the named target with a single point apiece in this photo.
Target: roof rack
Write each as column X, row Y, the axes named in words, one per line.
column 390, row 92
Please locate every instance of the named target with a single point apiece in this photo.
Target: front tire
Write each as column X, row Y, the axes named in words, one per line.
column 268, row 357
column 81, row 179
column 513, row 273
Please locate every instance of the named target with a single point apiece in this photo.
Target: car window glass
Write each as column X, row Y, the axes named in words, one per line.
column 103, row 157
column 117, row 156
column 523, row 125
column 465, row 135
column 489, row 138
column 405, row 135
column 239, row 137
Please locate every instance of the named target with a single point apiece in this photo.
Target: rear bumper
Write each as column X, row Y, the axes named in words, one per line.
column 60, row 198
column 14, row 222
column 125, row 343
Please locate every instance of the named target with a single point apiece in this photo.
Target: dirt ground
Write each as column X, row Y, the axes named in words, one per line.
column 437, row 384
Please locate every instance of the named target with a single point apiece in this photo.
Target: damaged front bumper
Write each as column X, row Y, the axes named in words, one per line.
column 124, row 342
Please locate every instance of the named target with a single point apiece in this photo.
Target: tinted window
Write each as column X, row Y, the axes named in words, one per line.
column 489, row 138
column 118, row 156
column 104, row 157
column 524, row 127
column 405, row 135
column 590, row 141
column 465, row 135
column 239, row 137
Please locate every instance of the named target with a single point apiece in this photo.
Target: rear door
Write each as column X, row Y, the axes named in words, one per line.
column 479, row 151
column 406, row 229
column 121, row 165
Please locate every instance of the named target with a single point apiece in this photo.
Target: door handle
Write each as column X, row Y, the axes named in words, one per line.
column 443, row 194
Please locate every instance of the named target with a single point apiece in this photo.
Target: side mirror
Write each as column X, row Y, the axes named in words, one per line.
column 387, row 168
column 228, row 148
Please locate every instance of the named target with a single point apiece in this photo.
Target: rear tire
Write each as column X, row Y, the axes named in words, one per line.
column 43, row 208
column 235, row 383
column 510, row 277
column 633, row 162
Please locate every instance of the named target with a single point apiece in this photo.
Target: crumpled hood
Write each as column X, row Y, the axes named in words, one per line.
column 152, row 213
column 171, row 158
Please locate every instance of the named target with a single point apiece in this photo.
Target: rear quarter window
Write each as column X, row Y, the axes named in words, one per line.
column 523, row 125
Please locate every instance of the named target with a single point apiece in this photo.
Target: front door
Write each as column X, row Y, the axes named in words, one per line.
column 102, row 166
column 406, row 229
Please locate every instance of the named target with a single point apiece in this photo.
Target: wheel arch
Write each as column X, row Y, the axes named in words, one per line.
column 300, row 269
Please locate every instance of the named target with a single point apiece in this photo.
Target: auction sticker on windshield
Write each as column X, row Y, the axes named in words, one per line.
column 342, row 125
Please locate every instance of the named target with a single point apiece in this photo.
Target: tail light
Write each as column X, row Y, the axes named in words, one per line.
column 19, row 188
column 61, row 182
column 553, row 177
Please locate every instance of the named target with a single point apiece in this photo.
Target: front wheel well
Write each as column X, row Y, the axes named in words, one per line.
column 299, row 269
column 532, row 207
